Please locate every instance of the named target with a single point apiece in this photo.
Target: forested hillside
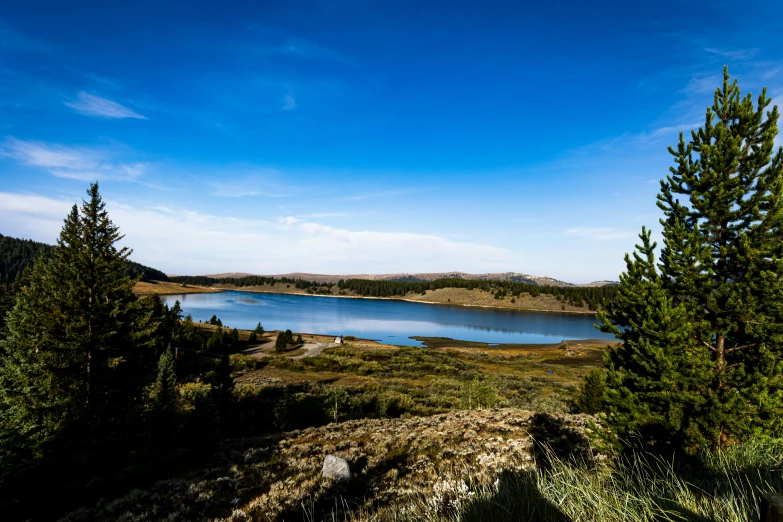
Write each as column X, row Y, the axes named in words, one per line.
column 574, row 295
column 16, row 254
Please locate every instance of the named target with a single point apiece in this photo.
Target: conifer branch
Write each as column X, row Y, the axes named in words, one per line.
column 742, row 347
column 705, row 343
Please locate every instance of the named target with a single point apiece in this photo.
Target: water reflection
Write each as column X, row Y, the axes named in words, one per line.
column 385, row 320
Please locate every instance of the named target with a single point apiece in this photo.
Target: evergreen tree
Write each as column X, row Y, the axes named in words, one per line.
column 216, row 341
column 299, row 339
column 702, row 331
column 281, row 342
column 289, row 337
column 68, row 370
column 223, row 392
column 259, row 329
column 591, row 393
column 164, row 392
column 234, row 336
column 253, row 337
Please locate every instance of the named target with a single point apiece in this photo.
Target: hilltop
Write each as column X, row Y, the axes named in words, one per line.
column 416, row 277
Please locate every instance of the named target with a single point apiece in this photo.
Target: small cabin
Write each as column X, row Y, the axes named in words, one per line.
column 338, row 340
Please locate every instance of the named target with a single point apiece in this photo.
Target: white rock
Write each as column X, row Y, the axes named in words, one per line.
column 336, row 469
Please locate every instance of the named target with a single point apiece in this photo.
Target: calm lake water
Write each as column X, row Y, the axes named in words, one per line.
column 386, row 321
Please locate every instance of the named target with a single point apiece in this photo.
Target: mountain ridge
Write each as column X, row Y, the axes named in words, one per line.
column 419, row 276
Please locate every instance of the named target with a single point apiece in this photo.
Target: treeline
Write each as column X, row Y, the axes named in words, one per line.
column 239, row 281
column 17, row 254
column 592, row 296
column 574, row 295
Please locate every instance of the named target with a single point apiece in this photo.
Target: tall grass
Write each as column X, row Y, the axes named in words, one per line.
column 719, row 487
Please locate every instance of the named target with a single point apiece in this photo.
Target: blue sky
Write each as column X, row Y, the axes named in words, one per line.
column 364, row 137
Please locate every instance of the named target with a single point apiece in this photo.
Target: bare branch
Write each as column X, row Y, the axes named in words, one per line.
column 742, row 347
column 708, row 345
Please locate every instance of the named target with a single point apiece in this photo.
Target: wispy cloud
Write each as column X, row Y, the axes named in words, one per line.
column 162, row 237
column 289, row 102
column 380, row 194
column 321, row 215
column 307, row 49
column 734, row 54
column 79, row 163
column 92, row 105
column 275, row 41
column 599, row 234
column 256, row 181
column 669, row 131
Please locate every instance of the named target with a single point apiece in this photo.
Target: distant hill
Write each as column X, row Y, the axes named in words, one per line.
column 515, row 277
column 16, row 254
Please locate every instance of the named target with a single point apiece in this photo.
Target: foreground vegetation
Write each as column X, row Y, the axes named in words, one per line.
column 502, row 465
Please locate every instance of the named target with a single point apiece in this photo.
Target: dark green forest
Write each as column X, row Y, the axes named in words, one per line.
column 16, row 254
column 574, row 295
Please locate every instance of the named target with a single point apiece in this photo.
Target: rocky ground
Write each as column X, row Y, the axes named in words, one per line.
column 394, row 462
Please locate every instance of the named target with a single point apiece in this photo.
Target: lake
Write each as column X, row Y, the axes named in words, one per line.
column 384, row 320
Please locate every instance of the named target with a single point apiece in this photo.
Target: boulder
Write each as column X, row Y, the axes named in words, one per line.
column 336, row 469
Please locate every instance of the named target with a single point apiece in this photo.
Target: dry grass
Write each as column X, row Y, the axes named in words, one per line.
column 481, row 298
column 169, row 288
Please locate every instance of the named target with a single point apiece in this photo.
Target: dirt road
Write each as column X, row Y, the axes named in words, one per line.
column 311, row 350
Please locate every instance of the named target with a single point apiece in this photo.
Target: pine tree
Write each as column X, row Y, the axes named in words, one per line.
column 703, row 330
column 259, row 329
column 69, row 357
column 164, row 392
column 591, row 393
column 281, row 343
column 253, row 337
column 223, row 391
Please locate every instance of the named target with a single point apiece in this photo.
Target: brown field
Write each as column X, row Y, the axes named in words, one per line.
column 169, row 288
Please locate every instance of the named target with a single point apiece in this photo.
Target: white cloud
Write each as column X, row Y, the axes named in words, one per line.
column 599, row 234
column 317, row 215
column 735, row 54
column 305, row 48
column 92, row 105
column 80, row 163
column 381, row 194
column 289, row 102
column 670, row 131
column 255, row 181
column 181, row 241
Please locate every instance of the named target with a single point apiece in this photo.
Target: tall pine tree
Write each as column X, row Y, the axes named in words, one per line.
column 702, row 331
column 69, row 351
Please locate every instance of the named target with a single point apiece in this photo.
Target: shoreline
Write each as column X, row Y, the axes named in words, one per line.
column 485, row 307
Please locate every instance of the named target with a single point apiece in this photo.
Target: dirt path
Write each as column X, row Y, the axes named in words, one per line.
column 311, row 350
